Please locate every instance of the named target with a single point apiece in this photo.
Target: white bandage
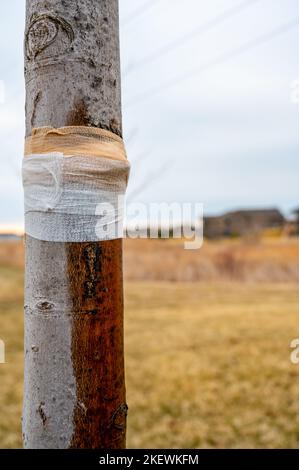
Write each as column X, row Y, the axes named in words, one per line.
column 74, row 198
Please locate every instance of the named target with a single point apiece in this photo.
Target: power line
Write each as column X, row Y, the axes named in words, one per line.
column 179, row 42
column 139, row 11
column 222, row 58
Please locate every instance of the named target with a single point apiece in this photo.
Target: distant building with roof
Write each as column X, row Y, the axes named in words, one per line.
column 242, row 222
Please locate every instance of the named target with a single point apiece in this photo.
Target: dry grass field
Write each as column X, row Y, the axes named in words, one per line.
column 269, row 259
column 207, row 362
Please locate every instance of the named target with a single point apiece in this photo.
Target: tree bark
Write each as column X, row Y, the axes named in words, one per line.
column 74, row 390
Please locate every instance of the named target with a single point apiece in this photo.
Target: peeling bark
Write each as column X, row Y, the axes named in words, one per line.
column 74, row 391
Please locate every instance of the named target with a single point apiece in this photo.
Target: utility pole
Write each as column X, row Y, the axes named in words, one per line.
column 74, row 391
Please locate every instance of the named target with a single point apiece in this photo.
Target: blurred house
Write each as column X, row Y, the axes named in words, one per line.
column 242, row 222
column 292, row 224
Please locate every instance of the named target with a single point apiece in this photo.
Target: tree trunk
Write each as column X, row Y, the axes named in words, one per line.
column 74, row 391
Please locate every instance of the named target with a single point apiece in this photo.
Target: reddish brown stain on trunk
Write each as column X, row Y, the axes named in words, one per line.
column 95, row 275
column 95, row 279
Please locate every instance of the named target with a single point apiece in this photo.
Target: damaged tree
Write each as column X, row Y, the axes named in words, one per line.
column 74, row 392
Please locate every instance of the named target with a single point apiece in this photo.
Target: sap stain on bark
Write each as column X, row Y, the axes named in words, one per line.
column 78, row 116
column 92, row 258
column 42, row 413
column 97, row 343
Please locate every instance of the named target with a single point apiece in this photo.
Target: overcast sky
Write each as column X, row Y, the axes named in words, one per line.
column 207, row 104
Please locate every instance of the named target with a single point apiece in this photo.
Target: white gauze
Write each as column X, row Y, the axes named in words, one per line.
column 74, row 198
